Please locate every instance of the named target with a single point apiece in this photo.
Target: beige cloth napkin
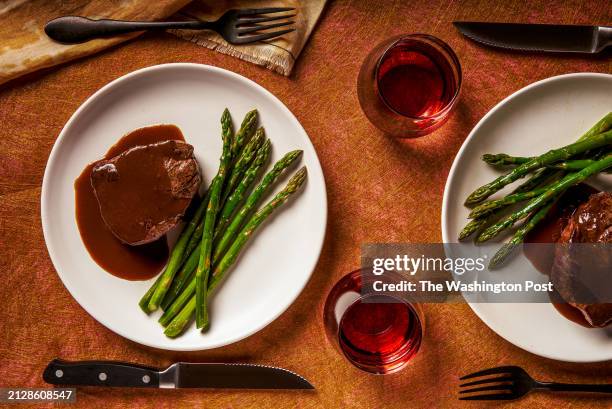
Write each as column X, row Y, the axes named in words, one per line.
column 25, row 48
column 279, row 54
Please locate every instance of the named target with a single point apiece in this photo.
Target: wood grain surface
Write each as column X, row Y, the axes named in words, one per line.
column 380, row 190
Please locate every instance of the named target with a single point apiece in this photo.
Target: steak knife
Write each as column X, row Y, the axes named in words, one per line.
column 539, row 37
column 178, row 375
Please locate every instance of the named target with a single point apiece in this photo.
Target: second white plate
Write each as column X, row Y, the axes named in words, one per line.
column 539, row 117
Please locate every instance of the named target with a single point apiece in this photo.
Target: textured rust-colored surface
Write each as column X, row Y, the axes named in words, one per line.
column 379, row 190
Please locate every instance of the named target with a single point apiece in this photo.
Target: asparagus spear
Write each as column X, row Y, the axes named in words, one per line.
column 502, row 159
column 603, row 125
column 535, row 180
column 241, row 189
column 180, row 320
column 177, row 305
column 551, row 156
column 239, row 218
column 519, row 236
column 144, row 301
column 203, row 270
column 541, row 200
column 243, row 162
column 182, row 278
column 479, row 223
column 576, row 164
column 249, row 123
column 194, row 241
column 486, row 208
column 471, row 227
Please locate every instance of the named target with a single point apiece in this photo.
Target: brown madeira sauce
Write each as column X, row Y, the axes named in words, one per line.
column 549, row 231
column 121, row 260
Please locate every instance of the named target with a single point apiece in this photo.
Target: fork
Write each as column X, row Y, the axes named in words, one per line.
column 514, row 383
column 238, row 26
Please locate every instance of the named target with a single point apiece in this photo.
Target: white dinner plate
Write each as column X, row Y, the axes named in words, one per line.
column 278, row 262
column 544, row 115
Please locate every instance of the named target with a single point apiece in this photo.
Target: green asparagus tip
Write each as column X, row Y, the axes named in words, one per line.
column 249, row 119
column 471, row 227
column 501, row 255
column 477, row 196
column 464, row 234
column 225, row 117
column 297, row 180
column 265, row 148
column 289, row 158
column 493, row 159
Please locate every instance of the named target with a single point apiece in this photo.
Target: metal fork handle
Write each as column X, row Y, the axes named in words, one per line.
column 573, row 387
column 74, row 29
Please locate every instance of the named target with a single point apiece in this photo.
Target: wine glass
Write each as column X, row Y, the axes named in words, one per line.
column 376, row 332
column 409, row 84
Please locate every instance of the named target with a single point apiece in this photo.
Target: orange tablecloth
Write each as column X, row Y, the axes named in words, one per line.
column 379, row 190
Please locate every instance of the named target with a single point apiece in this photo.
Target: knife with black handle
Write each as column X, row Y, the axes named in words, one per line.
column 178, row 375
column 539, row 37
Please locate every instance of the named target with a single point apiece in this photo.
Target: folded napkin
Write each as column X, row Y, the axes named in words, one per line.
column 279, row 54
column 25, row 47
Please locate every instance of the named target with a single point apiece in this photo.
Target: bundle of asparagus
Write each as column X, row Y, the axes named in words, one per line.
column 551, row 174
column 223, row 222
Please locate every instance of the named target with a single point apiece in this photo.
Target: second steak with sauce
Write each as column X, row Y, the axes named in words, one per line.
column 145, row 191
column 581, row 272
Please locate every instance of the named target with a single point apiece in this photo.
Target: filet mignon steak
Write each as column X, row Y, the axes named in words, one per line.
column 582, row 273
column 144, row 191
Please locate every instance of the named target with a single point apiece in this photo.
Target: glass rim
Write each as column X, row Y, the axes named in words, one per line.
column 454, row 60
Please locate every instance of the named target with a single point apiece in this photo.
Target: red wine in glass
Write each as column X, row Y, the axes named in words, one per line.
column 415, row 80
column 409, row 84
column 376, row 332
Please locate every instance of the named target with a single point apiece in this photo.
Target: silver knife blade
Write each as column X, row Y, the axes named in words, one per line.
column 230, row 376
column 534, row 37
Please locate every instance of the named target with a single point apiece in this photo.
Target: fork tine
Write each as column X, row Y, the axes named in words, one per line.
column 488, row 380
column 262, row 37
column 251, row 20
column 269, row 10
column 490, row 371
column 488, row 388
column 247, row 30
column 493, row 396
